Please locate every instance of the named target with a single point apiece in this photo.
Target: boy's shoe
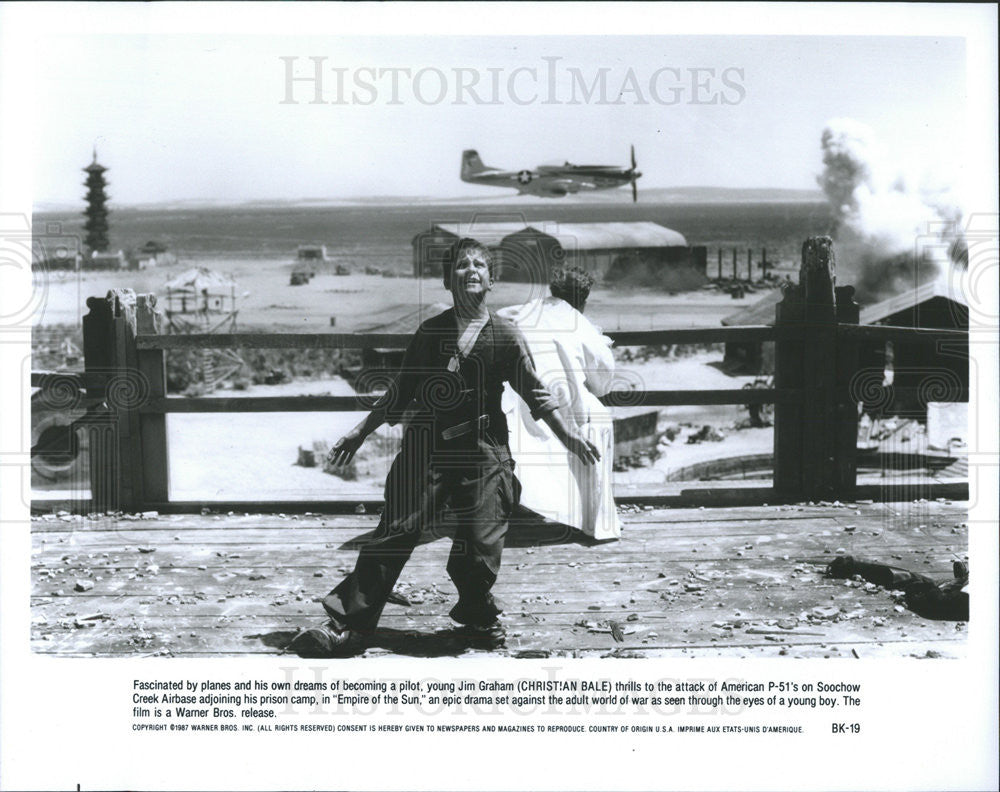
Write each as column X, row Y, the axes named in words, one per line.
column 478, row 613
column 489, row 637
column 326, row 641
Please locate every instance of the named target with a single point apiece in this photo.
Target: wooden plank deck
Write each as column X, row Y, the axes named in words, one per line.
column 681, row 582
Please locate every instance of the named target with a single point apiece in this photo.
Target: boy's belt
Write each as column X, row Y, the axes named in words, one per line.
column 475, row 425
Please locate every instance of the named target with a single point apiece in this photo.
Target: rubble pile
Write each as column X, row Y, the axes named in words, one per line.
column 707, row 434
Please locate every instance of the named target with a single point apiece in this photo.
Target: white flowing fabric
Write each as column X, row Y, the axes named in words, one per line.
column 574, row 360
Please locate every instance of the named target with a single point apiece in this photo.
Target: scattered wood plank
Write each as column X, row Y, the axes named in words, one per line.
column 197, row 585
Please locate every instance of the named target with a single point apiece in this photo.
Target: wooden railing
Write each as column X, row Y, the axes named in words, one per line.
column 816, row 335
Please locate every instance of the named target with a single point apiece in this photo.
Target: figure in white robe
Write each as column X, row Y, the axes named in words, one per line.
column 574, row 361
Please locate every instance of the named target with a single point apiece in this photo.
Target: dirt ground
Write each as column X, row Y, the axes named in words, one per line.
column 255, row 453
column 266, row 300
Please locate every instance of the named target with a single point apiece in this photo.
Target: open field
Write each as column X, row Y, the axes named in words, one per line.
column 257, row 245
column 267, row 302
column 254, row 455
column 380, row 235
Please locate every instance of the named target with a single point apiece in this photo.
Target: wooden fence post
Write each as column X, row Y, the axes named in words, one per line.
column 814, row 441
column 819, row 369
column 152, row 366
column 126, row 391
column 734, row 264
column 846, row 404
column 116, row 455
column 720, row 263
column 749, row 265
column 100, row 424
column 788, row 351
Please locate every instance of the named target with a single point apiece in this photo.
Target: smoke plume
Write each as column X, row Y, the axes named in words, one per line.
column 893, row 232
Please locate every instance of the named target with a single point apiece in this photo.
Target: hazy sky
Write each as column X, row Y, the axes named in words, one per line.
column 203, row 116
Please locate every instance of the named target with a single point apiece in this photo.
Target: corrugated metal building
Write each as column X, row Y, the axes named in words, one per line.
column 429, row 247
column 640, row 254
column 634, row 254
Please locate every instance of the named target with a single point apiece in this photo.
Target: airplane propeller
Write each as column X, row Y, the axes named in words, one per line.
column 633, row 175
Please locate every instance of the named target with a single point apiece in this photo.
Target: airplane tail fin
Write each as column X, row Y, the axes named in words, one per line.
column 471, row 164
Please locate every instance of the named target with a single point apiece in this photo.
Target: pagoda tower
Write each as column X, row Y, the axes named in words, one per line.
column 96, row 226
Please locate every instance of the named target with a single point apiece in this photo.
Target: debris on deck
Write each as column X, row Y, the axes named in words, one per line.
column 947, row 600
column 746, row 582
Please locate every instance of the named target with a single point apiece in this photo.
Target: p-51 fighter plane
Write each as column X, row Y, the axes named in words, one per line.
column 550, row 181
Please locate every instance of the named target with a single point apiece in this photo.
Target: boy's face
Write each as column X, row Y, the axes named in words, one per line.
column 470, row 277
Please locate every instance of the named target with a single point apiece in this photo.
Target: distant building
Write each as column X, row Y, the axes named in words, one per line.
column 920, row 373
column 311, row 253
column 104, row 261
column 917, row 373
column 430, row 247
column 752, row 357
column 933, row 304
column 153, row 248
column 631, row 254
column 635, row 254
column 200, row 299
column 152, row 254
column 96, row 224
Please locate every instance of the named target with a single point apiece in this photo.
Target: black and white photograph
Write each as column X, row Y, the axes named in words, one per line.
column 589, row 373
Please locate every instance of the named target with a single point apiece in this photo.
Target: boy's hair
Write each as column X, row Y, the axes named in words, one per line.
column 571, row 284
column 459, row 249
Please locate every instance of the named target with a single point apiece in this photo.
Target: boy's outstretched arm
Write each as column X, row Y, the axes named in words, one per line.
column 571, row 438
column 348, row 445
column 390, row 406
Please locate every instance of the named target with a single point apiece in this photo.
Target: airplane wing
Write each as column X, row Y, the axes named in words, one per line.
column 545, row 186
column 571, row 185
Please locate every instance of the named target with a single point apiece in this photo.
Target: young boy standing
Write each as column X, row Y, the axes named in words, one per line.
column 454, row 453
